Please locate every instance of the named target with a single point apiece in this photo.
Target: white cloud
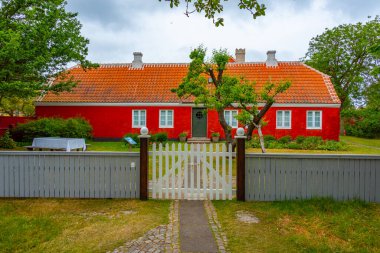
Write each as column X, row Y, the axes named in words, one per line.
column 166, row 35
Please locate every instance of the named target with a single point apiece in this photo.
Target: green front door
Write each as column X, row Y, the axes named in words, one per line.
column 199, row 122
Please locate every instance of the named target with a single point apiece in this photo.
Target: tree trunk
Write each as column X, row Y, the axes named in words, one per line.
column 226, row 129
column 261, row 138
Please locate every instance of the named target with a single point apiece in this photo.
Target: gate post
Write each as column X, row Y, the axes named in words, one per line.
column 144, row 163
column 240, row 164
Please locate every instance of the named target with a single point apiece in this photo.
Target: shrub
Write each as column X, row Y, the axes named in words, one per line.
column 253, row 143
column 285, row 139
column 332, row 146
column 300, row 139
column 52, row 127
column 275, row 145
column 294, row 145
column 160, row 137
column 362, row 122
column 6, row 141
column 312, row 142
column 134, row 137
column 268, row 138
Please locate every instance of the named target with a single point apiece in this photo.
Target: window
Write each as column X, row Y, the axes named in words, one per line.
column 166, row 118
column 283, row 120
column 230, row 118
column 314, row 120
column 138, row 118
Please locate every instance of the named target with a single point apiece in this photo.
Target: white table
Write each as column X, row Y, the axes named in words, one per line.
column 59, row 143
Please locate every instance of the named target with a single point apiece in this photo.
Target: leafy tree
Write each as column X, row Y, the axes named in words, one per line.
column 15, row 106
column 210, row 8
column 343, row 53
column 225, row 91
column 38, row 39
column 372, row 93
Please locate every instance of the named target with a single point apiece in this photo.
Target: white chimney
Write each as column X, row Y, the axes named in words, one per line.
column 271, row 59
column 240, row 55
column 137, row 61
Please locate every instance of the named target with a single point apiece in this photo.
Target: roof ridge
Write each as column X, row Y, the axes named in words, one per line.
column 328, row 83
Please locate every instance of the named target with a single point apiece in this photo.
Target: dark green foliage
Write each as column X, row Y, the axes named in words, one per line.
column 348, row 54
column 300, row 139
column 268, row 138
column 332, row 146
column 38, row 39
column 52, row 127
column 301, row 142
column 6, row 141
column 294, row 145
column 134, row 137
column 160, row 137
column 285, row 139
column 362, row 122
column 312, row 142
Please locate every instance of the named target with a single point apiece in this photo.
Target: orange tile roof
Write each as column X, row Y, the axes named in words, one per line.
column 120, row 83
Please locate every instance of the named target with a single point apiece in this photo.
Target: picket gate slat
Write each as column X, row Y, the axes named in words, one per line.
column 196, row 172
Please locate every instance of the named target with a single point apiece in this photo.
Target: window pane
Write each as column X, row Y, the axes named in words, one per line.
column 279, row 118
column 227, row 116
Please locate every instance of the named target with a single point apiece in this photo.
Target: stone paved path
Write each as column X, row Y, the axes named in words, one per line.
column 166, row 238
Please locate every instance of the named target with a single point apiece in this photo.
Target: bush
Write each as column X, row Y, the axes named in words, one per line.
column 362, row 122
column 312, row 142
column 160, row 137
column 268, row 138
column 332, row 146
column 300, row 139
column 134, row 137
column 285, row 139
column 294, row 145
column 52, row 127
column 6, row 141
column 253, row 143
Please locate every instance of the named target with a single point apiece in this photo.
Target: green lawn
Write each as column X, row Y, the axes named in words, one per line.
column 68, row 225
column 355, row 146
column 317, row 225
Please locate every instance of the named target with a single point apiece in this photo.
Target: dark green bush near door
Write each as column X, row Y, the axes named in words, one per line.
column 52, row 127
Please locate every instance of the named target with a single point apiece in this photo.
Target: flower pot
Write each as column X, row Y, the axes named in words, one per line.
column 182, row 138
column 215, row 138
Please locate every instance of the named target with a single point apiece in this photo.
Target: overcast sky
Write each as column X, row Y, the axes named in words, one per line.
column 117, row 28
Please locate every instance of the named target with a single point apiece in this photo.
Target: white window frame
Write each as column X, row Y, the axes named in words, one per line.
column 139, row 118
column 166, row 119
column 283, row 117
column 313, row 119
column 230, row 118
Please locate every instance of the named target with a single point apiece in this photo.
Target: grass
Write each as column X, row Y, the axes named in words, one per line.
column 361, row 141
column 317, row 225
column 355, row 146
column 67, row 225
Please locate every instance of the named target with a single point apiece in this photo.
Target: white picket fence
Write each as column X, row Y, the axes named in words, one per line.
column 192, row 172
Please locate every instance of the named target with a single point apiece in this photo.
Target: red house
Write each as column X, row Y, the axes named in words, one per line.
column 121, row 98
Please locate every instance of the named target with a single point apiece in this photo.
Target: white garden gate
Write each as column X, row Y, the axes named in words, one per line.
column 192, row 172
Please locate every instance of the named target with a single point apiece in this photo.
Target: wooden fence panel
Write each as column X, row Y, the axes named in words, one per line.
column 69, row 174
column 294, row 176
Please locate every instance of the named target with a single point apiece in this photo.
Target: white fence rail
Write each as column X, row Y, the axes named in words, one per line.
column 194, row 171
column 69, row 174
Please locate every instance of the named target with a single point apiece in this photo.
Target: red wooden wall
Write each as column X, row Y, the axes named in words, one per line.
column 6, row 121
column 114, row 121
